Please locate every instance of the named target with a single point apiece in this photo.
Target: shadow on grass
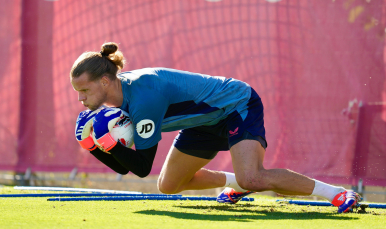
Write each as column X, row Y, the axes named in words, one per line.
column 230, row 208
column 251, row 216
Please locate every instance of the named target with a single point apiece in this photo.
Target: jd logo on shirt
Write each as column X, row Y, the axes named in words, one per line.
column 145, row 128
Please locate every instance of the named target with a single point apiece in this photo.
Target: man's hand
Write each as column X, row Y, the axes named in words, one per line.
column 103, row 123
column 83, row 129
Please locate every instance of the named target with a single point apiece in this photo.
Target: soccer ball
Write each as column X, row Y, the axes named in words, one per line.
column 122, row 132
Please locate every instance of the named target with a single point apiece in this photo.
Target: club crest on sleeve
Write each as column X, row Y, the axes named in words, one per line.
column 145, row 128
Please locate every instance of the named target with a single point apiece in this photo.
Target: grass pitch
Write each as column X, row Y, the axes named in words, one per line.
column 264, row 212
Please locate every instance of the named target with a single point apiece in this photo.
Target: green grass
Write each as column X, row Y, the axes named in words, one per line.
column 264, row 212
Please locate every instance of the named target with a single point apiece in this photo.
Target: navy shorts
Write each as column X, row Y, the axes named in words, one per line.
column 206, row 141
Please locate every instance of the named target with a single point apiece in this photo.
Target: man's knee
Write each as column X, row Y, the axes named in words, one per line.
column 167, row 187
column 254, row 181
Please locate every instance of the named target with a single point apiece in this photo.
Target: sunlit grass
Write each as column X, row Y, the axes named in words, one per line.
column 264, row 212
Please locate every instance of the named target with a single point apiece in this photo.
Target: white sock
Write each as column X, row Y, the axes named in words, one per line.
column 326, row 190
column 232, row 183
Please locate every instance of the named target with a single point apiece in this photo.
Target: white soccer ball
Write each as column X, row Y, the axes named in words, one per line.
column 122, row 132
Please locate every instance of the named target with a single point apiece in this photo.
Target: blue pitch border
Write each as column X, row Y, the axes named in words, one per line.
column 144, row 197
column 79, row 194
column 327, row 204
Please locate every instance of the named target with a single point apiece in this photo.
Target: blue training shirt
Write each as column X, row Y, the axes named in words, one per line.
column 162, row 100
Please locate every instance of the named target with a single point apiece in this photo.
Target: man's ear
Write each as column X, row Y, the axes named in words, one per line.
column 105, row 81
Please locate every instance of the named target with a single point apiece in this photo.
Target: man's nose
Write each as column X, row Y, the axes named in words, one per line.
column 81, row 97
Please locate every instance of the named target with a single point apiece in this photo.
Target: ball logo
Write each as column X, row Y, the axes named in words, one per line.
column 123, row 121
column 145, row 128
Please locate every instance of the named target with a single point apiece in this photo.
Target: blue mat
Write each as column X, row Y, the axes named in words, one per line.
column 325, row 203
column 144, row 197
column 78, row 194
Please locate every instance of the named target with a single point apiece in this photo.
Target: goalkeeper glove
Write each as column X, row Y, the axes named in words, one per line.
column 103, row 123
column 83, row 129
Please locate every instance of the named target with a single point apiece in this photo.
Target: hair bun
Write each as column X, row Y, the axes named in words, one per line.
column 109, row 48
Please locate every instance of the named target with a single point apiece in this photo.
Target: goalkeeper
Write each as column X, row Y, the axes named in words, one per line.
column 213, row 114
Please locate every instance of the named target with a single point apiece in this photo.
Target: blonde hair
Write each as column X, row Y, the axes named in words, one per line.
column 97, row 64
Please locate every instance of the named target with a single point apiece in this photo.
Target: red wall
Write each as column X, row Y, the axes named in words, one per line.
column 306, row 59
